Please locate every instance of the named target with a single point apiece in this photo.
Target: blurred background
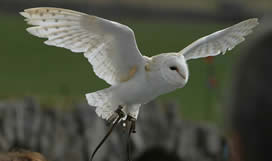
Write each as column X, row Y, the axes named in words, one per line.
column 56, row 77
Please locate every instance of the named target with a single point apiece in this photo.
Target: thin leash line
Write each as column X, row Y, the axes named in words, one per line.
column 105, row 137
column 128, row 143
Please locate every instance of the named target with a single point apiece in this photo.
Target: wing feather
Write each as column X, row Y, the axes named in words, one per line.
column 109, row 46
column 220, row 41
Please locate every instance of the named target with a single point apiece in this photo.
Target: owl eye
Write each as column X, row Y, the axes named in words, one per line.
column 173, row 68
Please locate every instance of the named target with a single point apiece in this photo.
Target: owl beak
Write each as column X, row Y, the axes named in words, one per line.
column 182, row 75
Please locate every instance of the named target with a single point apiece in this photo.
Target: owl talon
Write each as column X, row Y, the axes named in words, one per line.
column 117, row 114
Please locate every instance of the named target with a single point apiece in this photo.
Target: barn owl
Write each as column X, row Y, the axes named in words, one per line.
column 111, row 49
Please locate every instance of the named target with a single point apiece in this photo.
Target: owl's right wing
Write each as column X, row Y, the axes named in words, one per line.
column 109, row 46
column 220, row 41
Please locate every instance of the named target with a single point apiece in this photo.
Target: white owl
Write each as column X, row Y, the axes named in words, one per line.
column 112, row 50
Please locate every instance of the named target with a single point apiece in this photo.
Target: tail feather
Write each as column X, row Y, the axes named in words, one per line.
column 103, row 102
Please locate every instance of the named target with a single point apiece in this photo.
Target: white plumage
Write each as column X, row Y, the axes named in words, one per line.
column 112, row 50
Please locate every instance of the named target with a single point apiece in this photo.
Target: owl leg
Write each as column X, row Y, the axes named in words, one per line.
column 117, row 114
column 129, row 123
column 132, row 114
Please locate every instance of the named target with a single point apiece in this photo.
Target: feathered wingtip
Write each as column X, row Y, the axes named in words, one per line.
column 24, row 14
column 255, row 20
column 251, row 23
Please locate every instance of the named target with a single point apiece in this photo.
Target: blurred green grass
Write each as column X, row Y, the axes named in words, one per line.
column 53, row 75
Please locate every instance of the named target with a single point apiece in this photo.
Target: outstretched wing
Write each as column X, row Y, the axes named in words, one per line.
column 109, row 46
column 220, row 41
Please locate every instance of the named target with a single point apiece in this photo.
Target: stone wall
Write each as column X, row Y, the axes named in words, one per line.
column 73, row 134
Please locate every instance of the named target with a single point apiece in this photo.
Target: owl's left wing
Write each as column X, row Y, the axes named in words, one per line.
column 220, row 41
column 109, row 46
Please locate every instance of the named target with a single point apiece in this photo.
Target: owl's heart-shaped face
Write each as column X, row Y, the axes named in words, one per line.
column 174, row 70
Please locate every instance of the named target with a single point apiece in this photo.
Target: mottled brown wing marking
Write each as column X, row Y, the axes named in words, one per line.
column 131, row 74
column 147, row 67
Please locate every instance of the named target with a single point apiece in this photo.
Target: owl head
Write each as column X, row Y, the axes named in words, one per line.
column 174, row 69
